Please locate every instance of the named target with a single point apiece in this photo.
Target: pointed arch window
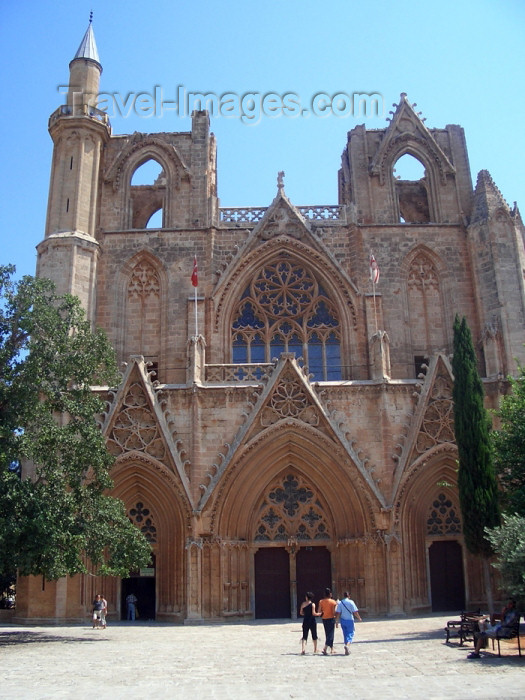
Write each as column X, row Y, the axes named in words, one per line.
column 411, row 187
column 148, row 192
column 285, row 309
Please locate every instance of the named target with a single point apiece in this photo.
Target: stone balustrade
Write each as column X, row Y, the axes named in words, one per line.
column 252, row 215
column 238, row 372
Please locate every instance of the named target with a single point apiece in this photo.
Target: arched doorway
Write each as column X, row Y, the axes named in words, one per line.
column 142, row 584
column 272, row 583
column 447, row 582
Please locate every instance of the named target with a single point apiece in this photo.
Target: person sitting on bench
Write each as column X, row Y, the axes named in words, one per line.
column 486, row 629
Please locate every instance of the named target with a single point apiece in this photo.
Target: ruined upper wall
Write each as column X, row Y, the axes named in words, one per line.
column 368, row 182
column 185, row 191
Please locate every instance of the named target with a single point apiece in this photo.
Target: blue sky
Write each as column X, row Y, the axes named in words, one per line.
column 461, row 61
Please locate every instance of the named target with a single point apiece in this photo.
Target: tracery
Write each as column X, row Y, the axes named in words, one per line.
column 285, row 309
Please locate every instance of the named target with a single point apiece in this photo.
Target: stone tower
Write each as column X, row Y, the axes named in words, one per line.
column 79, row 132
column 303, row 436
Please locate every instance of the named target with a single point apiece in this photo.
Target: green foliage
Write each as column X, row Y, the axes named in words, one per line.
column 509, row 446
column 508, row 541
column 478, row 490
column 49, row 359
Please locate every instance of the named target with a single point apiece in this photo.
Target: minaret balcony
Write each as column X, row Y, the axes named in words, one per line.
column 81, row 111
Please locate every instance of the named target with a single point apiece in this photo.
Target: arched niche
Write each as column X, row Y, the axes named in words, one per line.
column 427, row 305
column 142, row 307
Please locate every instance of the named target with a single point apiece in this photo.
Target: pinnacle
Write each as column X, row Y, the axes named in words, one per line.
column 487, row 197
column 88, row 47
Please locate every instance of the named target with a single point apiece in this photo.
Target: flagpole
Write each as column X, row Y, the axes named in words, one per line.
column 195, row 283
column 375, row 308
column 196, row 326
column 374, row 276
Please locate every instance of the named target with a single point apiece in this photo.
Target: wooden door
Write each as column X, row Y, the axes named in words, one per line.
column 447, row 582
column 272, row 583
column 314, row 572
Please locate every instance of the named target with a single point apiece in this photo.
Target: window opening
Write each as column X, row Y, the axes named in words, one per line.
column 148, row 194
column 410, row 182
column 147, row 174
column 285, row 309
column 155, row 220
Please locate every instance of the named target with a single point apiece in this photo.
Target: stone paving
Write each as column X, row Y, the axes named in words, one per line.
column 392, row 658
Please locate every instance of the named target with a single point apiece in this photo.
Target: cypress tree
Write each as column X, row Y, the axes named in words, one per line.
column 477, row 484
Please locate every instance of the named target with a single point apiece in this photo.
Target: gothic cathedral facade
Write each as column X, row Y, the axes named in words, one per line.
column 286, row 424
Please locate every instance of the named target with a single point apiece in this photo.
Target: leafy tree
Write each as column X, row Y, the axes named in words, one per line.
column 508, row 541
column 478, row 489
column 509, row 446
column 508, row 442
column 58, row 515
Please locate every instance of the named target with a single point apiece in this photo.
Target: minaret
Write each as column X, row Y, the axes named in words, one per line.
column 68, row 255
column 84, row 73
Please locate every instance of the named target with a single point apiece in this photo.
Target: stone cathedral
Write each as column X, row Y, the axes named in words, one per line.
column 286, row 424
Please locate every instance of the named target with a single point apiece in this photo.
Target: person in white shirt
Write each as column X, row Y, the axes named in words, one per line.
column 344, row 614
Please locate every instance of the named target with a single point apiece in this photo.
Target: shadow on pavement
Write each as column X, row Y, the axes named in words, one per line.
column 27, row 637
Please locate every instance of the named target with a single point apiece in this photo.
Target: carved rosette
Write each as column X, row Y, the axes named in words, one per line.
column 289, row 400
column 438, row 422
column 290, row 509
column 135, row 427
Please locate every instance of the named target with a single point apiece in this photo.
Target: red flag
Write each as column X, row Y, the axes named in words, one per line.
column 195, row 273
column 374, row 270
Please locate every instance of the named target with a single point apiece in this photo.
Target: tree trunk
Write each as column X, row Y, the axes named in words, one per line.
column 488, row 585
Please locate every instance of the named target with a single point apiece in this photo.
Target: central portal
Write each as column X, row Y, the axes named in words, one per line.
column 272, row 579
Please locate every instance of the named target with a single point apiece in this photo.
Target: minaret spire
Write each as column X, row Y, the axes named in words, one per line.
column 88, row 46
column 84, row 73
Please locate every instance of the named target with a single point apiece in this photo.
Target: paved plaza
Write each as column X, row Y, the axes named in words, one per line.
column 391, row 658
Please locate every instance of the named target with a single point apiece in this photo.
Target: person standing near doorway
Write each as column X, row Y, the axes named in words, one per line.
column 98, row 611
column 103, row 612
column 308, row 612
column 344, row 614
column 327, row 607
column 131, row 605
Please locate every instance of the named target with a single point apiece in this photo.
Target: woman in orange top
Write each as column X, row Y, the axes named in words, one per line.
column 327, row 607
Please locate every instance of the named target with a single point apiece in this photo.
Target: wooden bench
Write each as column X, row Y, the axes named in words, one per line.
column 465, row 627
